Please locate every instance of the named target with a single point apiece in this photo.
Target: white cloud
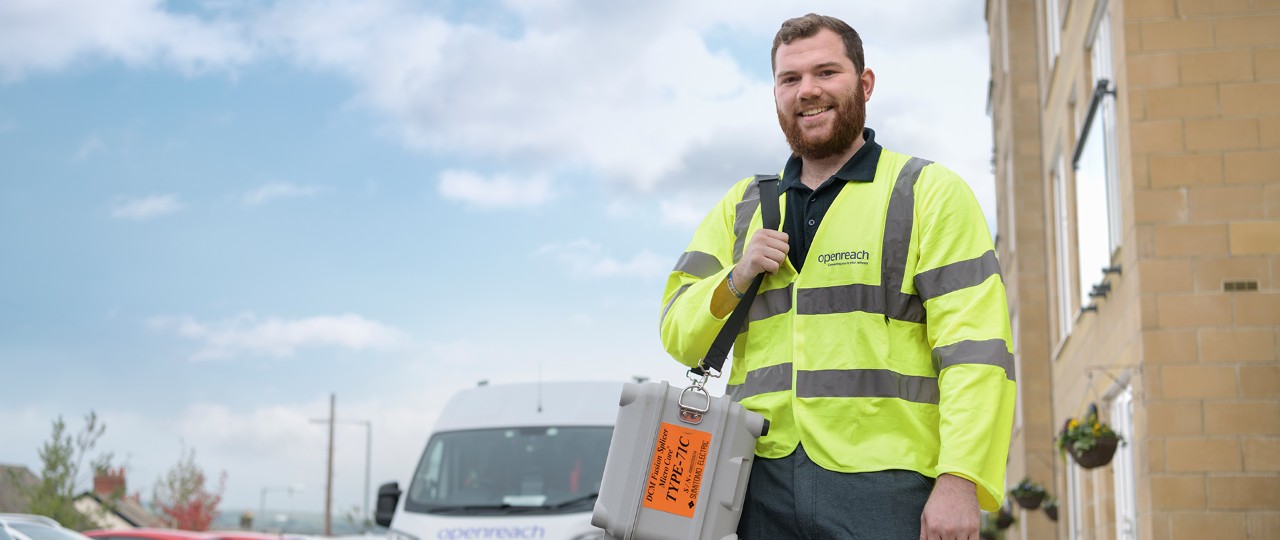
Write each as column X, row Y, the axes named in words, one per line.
column 151, row 206
column 247, row 334
column 638, row 96
column 586, row 259
column 500, row 191
column 276, row 190
column 47, row 35
column 88, row 147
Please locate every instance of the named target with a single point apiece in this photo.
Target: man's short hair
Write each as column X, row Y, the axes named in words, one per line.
column 809, row 26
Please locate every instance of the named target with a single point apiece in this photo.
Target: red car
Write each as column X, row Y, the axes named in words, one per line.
column 149, row 534
column 178, row 534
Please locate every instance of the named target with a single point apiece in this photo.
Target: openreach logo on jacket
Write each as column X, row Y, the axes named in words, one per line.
column 840, row 258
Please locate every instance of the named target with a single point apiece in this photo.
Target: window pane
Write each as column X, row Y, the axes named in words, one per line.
column 1092, row 212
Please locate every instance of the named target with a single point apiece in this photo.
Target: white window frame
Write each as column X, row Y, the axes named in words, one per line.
column 1064, row 249
column 1102, row 54
column 1075, row 512
column 1122, row 465
column 1053, row 29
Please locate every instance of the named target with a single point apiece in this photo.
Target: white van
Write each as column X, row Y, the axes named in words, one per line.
column 521, row 461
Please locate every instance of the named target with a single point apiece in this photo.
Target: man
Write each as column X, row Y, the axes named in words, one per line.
column 879, row 346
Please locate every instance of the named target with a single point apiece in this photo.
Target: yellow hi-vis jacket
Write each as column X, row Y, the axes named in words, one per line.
column 892, row 350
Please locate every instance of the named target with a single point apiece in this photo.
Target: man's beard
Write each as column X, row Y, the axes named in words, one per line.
column 851, row 116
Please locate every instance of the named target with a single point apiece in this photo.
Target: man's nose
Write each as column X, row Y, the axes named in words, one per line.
column 809, row 89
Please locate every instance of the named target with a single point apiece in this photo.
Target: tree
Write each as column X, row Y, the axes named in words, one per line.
column 182, row 497
column 62, row 457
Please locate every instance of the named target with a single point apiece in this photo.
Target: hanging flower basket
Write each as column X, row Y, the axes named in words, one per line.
column 1004, row 519
column 1028, row 494
column 1090, row 442
column 1051, row 509
column 1100, row 454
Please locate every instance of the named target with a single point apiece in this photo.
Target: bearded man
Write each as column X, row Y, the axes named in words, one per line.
column 879, row 346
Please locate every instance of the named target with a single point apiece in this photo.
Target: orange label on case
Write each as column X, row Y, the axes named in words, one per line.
column 675, row 473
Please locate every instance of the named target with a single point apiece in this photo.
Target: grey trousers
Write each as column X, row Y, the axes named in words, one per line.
column 794, row 498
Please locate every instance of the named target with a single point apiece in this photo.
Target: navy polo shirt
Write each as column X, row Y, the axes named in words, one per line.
column 806, row 207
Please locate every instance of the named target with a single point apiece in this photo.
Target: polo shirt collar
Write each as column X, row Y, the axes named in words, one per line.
column 860, row 168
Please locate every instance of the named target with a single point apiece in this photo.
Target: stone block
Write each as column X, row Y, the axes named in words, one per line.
column 1198, row 382
column 1231, row 31
column 1182, row 101
column 1252, row 98
column 1158, row 136
column 1266, row 63
column 1252, row 167
column 1269, row 131
column 1186, row 169
column 1221, row 134
column 1198, row 8
column 1201, row 309
column 1165, row 275
column 1153, row 70
column 1238, row 344
column 1257, row 308
column 1213, row 203
column 1254, row 238
column 1210, row 274
column 1178, row 34
column 1193, row 240
column 1260, row 381
column 1216, row 66
column 1271, row 198
column 1203, row 455
column 1256, row 417
column 1175, row 418
column 1264, row 525
column 1262, row 454
column 1201, row 525
column 1170, row 346
column 1160, row 206
column 1244, row 492
column 1146, row 9
column 1181, row 492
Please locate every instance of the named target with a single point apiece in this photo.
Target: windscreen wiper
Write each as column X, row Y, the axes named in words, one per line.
column 470, row 508
column 572, row 502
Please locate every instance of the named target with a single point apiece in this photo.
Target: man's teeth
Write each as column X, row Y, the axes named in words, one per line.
column 812, row 112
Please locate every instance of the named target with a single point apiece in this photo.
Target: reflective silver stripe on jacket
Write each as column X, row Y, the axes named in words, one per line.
column 698, row 264
column 742, row 214
column 897, row 244
column 762, row 381
column 672, row 302
column 992, row 352
column 862, row 383
column 956, row 276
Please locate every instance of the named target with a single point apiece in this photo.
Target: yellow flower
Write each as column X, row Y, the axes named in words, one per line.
column 1073, row 424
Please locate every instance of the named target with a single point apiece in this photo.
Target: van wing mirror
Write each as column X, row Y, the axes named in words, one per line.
column 388, row 498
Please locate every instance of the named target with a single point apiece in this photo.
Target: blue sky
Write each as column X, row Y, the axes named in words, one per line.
column 214, row 214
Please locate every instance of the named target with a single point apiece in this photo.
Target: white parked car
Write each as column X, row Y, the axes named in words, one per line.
column 508, row 461
column 33, row 527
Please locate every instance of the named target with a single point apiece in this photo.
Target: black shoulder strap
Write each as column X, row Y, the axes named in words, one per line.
column 771, row 216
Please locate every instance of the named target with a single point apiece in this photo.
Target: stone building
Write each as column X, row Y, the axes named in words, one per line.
column 1137, row 167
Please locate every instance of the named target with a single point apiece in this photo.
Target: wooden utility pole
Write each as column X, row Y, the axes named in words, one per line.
column 328, row 479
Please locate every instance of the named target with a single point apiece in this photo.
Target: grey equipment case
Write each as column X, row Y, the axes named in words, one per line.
column 680, row 459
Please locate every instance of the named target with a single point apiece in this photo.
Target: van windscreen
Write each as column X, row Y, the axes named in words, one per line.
column 524, row 470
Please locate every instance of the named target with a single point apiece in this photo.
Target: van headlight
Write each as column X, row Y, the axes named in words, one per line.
column 393, row 534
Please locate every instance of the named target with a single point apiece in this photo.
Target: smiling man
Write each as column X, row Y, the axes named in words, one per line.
column 879, row 346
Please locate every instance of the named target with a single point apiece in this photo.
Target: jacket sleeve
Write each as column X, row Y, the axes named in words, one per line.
column 687, row 324
column 958, row 279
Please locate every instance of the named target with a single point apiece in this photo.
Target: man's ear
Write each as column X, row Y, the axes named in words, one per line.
column 868, row 81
